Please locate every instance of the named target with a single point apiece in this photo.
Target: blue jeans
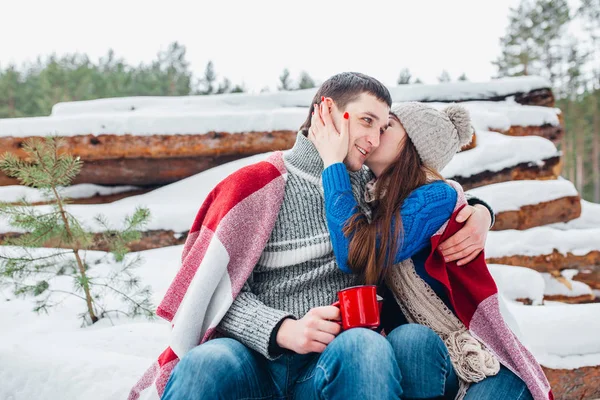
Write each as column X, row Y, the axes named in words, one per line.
column 413, row 363
column 427, row 373
column 358, row 364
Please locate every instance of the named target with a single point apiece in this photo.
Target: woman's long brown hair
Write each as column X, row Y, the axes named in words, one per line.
column 394, row 185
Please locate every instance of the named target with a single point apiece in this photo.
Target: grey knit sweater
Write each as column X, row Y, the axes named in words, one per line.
column 297, row 270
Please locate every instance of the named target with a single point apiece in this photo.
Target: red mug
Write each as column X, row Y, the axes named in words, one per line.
column 360, row 307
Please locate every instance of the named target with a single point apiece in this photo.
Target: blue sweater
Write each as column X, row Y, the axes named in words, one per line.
column 423, row 212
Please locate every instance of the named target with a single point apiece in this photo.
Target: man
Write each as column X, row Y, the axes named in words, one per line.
column 280, row 336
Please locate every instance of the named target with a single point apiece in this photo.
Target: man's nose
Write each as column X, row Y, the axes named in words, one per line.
column 374, row 140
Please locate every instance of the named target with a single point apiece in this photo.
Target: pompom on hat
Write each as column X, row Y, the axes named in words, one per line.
column 437, row 135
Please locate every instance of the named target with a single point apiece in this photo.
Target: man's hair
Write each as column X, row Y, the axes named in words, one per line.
column 346, row 87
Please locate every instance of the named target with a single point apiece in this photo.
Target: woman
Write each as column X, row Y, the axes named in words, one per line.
column 390, row 242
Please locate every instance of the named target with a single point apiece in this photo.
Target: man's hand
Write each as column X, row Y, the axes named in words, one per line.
column 467, row 243
column 312, row 333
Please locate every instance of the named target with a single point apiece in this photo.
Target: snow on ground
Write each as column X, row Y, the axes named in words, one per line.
column 512, row 195
column 542, row 240
column 43, row 355
column 172, row 207
column 13, row 194
column 561, row 335
column 590, row 218
column 496, row 151
column 454, row 91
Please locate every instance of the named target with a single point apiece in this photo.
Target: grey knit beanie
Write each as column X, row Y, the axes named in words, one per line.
column 437, row 135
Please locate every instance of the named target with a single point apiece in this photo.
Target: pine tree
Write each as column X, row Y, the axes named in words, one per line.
column 549, row 19
column 174, row 69
column 444, row 77
column 49, row 169
column 209, row 79
column 224, row 87
column 418, row 81
column 519, row 46
column 532, row 45
column 463, row 77
column 239, row 89
column 404, row 77
column 285, row 82
column 305, row 81
column 11, row 92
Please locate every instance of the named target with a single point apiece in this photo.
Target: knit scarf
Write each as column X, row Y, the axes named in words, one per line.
column 472, row 362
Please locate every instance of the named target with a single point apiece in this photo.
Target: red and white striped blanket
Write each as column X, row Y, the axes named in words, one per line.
column 223, row 246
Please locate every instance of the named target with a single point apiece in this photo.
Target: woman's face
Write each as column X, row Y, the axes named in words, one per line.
column 390, row 144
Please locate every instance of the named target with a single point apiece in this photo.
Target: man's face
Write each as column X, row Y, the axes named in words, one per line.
column 368, row 119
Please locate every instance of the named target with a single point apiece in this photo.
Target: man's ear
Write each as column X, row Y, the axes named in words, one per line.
column 331, row 104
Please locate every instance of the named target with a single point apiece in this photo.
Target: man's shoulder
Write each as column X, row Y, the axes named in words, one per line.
column 249, row 180
column 258, row 173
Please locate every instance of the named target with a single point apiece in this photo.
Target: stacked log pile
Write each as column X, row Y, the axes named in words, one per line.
column 155, row 141
column 527, row 204
column 541, row 222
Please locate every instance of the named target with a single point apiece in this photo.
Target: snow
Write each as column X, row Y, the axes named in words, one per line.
column 561, row 335
column 169, row 119
column 131, row 105
column 542, row 240
column 590, row 218
column 516, row 114
column 457, row 91
column 496, row 151
column 556, row 288
column 156, row 122
column 172, row 207
column 13, row 194
column 43, row 355
column 512, row 195
column 501, row 115
column 454, row 91
column 518, row 282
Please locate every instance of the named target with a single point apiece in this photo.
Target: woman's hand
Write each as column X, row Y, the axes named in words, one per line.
column 331, row 144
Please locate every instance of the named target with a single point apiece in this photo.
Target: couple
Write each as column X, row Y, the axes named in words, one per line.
column 291, row 232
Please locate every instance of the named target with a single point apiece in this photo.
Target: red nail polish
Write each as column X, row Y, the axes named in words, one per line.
column 346, row 116
column 322, row 98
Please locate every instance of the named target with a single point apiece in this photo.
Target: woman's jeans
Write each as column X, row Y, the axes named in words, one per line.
column 411, row 363
column 427, row 373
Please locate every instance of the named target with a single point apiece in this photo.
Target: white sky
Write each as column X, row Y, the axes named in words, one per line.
column 253, row 41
